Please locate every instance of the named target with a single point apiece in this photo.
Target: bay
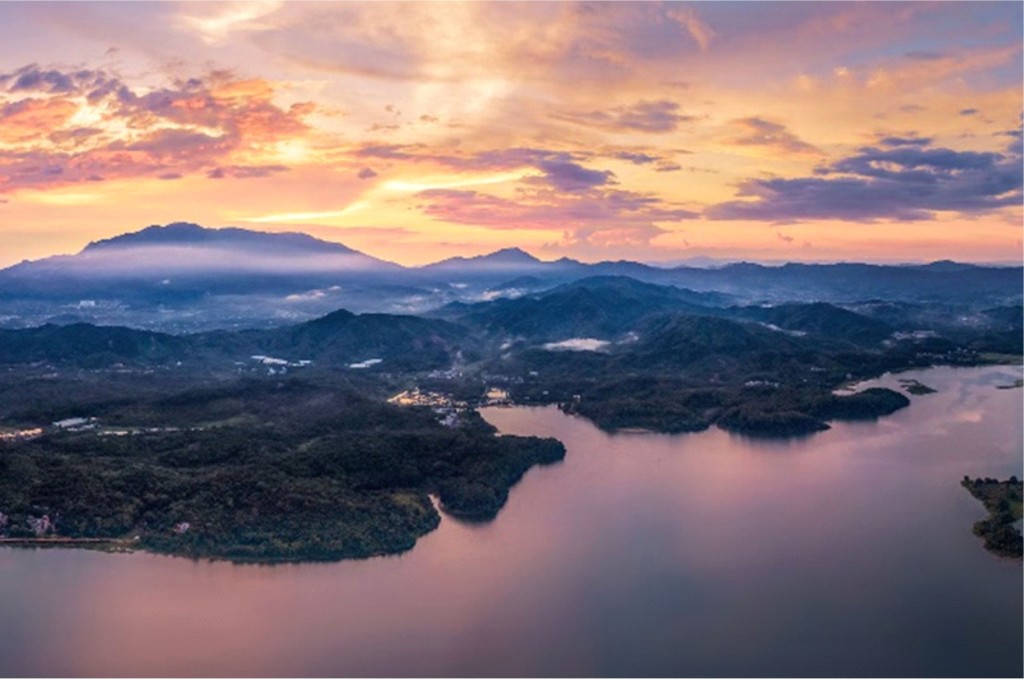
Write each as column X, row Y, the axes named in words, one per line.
column 849, row 552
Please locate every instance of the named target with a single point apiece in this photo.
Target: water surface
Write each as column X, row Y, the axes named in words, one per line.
column 846, row 553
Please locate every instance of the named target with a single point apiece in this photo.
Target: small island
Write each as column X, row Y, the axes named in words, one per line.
column 1002, row 499
column 916, row 388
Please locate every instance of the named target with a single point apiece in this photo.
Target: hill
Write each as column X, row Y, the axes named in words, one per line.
column 599, row 307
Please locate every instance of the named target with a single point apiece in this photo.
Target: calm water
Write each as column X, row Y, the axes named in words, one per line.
column 847, row 553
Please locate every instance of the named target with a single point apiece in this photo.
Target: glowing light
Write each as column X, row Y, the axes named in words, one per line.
column 292, row 151
column 236, row 16
column 431, row 183
column 63, row 198
column 300, row 217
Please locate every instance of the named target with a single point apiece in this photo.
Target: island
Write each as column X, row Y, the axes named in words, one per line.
column 915, row 387
column 1002, row 499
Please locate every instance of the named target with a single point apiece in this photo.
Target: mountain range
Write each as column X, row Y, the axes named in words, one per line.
column 185, row 277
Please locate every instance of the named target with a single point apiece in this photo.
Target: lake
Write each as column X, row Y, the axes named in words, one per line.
column 846, row 553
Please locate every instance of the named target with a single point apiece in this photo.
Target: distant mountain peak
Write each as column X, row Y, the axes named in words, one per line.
column 187, row 234
column 517, row 253
column 504, row 258
column 508, row 256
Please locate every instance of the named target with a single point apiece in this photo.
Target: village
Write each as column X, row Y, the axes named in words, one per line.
column 444, row 405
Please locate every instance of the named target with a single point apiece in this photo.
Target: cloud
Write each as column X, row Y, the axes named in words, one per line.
column 602, row 217
column 557, row 169
column 644, row 116
column 756, row 131
column 32, row 78
column 60, row 127
column 698, row 30
column 366, row 173
column 568, row 176
column 968, row 111
column 635, row 157
column 222, row 19
column 245, row 171
column 22, row 120
column 578, row 344
column 905, row 141
column 906, row 182
column 923, row 55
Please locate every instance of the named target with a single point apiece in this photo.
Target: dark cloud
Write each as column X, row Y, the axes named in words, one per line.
column 635, row 157
column 668, row 167
column 923, row 55
column 643, row 116
column 968, row 111
column 245, row 171
column 905, row 141
column 393, row 152
column 760, row 132
column 568, row 176
column 32, row 78
column 908, row 182
column 366, row 173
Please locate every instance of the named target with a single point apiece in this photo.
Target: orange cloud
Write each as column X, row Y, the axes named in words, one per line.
column 23, row 120
column 68, row 127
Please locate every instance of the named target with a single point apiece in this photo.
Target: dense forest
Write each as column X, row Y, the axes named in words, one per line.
column 263, row 470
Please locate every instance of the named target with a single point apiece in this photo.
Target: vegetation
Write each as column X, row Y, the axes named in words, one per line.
column 279, row 444
column 293, row 470
column 757, row 409
column 916, row 388
column 1002, row 499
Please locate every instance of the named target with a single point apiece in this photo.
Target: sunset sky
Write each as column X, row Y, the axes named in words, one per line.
column 656, row 132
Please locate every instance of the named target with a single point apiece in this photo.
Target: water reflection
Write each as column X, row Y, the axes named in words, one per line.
column 845, row 553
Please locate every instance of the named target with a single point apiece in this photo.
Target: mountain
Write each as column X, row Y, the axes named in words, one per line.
column 852, row 282
column 192, row 252
column 601, row 307
column 489, row 269
column 508, row 258
column 682, row 339
column 88, row 345
column 820, row 318
column 397, row 342
column 184, row 234
column 337, row 340
column 184, row 277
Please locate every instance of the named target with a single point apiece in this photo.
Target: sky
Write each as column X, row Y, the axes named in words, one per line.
column 658, row 132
